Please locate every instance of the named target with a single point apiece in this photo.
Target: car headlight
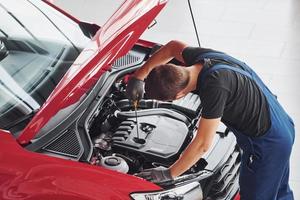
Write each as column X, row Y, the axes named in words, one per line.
column 191, row 191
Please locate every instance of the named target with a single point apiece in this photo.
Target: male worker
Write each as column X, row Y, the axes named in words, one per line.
column 230, row 92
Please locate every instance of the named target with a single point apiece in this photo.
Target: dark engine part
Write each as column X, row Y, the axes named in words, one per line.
column 154, row 111
column 188, row 105
column 162, row 133
column 165, row 129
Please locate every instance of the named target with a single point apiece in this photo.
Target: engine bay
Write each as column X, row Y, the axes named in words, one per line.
column 157, row 138
column 107, row 130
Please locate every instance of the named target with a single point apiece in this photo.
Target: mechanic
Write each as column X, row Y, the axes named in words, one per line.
column 231, row 92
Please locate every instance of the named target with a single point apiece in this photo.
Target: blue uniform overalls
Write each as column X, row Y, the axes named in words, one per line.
column 264, row 172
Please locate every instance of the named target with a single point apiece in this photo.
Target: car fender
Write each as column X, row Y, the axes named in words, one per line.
column 28, row 175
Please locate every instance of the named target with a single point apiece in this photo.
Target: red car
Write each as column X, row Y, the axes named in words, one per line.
column 67, row 130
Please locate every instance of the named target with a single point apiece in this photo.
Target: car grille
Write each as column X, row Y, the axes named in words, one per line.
column 67, row 144
column 225, row 182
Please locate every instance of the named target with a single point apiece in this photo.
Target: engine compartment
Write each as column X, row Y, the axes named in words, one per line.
column 163, row 131
column 155, row 134
column 102, row 130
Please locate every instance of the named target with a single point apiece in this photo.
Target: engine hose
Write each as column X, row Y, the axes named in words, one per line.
column 154, row 111
column 147, row 104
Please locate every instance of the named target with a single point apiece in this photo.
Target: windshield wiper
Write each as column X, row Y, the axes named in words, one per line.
column 3, row 32
column 55, row 26
column 3, row 50
column 20, row 120
column 21, row 24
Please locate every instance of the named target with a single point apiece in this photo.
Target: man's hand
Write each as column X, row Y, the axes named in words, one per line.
column 135, row 89
column 158, row 174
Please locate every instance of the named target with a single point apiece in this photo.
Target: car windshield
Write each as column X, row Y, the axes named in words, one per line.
column 34, row 55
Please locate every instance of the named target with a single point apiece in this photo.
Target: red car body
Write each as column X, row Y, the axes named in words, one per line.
column 32, row 176
column 27, row 175
column 113, row 40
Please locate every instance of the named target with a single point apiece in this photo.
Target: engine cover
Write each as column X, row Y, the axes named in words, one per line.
column 161, row 133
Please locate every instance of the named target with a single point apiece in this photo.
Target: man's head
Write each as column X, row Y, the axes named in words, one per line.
column 166, row 82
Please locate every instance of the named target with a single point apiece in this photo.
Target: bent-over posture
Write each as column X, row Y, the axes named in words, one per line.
column 231, row 92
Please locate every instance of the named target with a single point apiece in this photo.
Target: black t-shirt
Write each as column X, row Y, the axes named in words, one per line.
column 230, row 95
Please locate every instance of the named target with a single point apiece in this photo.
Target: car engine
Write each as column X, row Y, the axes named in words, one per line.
column 154, row 135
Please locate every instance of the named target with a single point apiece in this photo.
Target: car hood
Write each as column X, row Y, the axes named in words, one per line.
column 115, row 38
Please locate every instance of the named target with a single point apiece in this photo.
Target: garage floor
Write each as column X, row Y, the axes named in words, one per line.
column 263, row 33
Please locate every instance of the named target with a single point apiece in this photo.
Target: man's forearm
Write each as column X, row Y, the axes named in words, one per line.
column 200, row 144
column 166, row 53
column 187, row 159
column 160, row 57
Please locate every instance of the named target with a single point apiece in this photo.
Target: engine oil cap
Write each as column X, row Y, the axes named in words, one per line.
column 112, row 161
column 115, row 163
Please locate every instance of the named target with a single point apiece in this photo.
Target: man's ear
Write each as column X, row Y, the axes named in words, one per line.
column 180, row 95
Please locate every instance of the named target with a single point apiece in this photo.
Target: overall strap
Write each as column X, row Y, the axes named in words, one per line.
column 230, row 61
column 225, row 62
column 222, row 66
column 223, row 57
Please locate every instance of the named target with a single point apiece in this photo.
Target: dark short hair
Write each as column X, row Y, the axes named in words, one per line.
column 165, row 81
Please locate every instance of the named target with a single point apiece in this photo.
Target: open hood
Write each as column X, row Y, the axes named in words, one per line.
column 116, row 37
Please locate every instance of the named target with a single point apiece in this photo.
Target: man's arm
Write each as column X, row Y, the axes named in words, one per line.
column 200, row 144
column 172, row 49
column 135, row 86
